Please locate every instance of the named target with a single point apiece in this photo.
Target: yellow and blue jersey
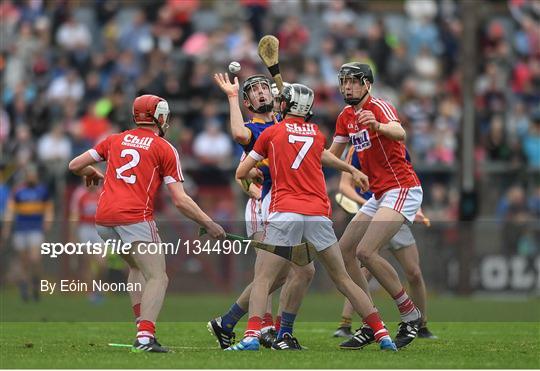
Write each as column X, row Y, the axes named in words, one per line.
column 30, row 204
column 256, row 127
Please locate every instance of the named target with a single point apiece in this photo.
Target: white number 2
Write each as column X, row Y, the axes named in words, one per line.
column 135, row 158
column 308, row 142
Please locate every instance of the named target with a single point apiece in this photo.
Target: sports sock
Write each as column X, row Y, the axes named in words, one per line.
column 137, row 312
column 374, row 321
column 407, row 309
column 277, row 323
column 146, row 330
column 287, row 323
column 267, row 321
column 345, row 322
column 231, row 318
column 253, row 327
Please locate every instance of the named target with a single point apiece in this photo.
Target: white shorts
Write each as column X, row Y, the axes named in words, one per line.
column 137, row 232
column 403, row 238
column 27, row 240
column 288, row 229
column 254, row 222
column 87, row 232
column 265, row 207
column 406, row 201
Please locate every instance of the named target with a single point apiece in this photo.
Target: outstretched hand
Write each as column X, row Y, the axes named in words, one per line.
column 228, row 87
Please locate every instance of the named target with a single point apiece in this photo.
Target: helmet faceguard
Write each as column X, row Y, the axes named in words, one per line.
column 298, row 101
column 261, row 82
column 359, row 71
column 150, row 109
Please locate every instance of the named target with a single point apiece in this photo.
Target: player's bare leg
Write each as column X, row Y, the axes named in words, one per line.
column 222, row 327
column 267, row 270
column 384, row 225
column 348, row 242
column 409, row 259
column 152, row 267
column 332, row 260
column 292, row 295
column 135, row 276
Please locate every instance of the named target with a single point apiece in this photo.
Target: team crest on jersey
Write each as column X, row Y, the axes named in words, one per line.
column 360, row 140
column 131, row 140
column 353, row 125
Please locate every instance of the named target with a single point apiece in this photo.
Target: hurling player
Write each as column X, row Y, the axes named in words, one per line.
column 258, row 99
column 373, row 127
column 300, row 208
column 138, row 162
column 31, row 211
column 403, row 247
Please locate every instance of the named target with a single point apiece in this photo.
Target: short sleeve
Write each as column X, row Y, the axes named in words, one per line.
column 260, row 149
column 341, row 134
column 101, row 150
column 384, row 111
column 171, row 170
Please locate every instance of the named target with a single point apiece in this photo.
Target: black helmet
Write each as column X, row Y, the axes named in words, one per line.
column 248, row 84
column 358, row 70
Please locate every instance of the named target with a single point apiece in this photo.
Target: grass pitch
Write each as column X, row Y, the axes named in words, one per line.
column 41, row 344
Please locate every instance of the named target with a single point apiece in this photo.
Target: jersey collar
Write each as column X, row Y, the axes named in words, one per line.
column 256, row 120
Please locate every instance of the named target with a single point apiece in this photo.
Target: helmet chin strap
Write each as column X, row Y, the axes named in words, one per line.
column 368, row 90
column 160, row 128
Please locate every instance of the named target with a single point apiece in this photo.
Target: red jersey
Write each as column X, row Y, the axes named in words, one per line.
column 294, row 148
column 385, row 161
column 84, row 204
column 138, row 161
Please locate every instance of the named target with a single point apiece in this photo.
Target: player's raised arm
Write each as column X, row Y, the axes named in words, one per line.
column 240, row 133
column 189, row 208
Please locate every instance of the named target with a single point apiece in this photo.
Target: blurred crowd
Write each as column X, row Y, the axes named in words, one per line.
column 71, row 68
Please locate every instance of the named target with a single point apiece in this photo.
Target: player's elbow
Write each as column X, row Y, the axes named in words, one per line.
column 240, row 173
column 74, row 166
column 240, row 138
column 181, row 201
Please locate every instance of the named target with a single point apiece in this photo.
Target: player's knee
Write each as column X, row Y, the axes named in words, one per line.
column 160, row 276
column 306, row 273
column 414, row 275
column 364, row 256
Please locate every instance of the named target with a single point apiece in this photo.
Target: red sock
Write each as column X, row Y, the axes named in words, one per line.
column 374, row 321
column 404, row 303
column 277, row 323
column 137, row 312
column 267, row 321
column 253, row 327
column 146, row 329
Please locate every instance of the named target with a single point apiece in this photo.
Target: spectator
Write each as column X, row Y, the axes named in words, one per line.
column 531, row 142
column 212, row 146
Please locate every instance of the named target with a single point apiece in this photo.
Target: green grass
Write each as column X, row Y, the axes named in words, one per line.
column 31, row 335
column 84, row 345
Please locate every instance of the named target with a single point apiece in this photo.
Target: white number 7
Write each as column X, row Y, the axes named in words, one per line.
column 308, row 142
